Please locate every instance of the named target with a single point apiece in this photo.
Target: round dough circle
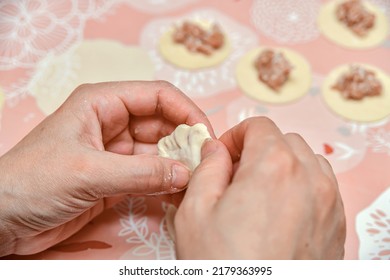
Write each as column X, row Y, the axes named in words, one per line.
column 295, row 87
column 368, row 109
column 340, row 34
column 178, row 55
column 91, row 61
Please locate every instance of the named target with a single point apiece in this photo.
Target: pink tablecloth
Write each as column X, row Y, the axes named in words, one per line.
column 48, row 47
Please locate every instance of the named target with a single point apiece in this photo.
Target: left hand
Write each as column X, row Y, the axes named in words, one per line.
column 86, row 156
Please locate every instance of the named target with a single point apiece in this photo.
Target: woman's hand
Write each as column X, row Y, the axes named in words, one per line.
column 96, row 148
column 278, row 201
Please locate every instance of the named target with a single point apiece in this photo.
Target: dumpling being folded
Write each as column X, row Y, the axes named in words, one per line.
column 184, row 144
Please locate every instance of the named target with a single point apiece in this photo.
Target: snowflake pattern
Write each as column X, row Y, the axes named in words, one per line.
column 373, row 228
column 202, row 82
column 287, row 21
column 379, row 140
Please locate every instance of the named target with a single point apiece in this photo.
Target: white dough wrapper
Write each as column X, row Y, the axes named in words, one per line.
column 184, row 144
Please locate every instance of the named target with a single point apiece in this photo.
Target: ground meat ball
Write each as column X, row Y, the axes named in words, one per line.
column 196, row 39
column 358, row 83
column 273, row 69
column 353, row 14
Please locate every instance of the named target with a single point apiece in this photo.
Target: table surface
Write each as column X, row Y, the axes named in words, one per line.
column 48, row 47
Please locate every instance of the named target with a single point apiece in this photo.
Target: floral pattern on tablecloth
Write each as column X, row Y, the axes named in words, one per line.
column 287, row 21
column 373, row 228
column 31, row 29
column 146, row 242
column 378, row 139
column 40, row 43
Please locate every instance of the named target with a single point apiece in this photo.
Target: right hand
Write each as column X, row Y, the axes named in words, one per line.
column 281, row 201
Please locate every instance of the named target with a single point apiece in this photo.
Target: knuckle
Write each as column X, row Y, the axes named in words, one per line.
column 294, row 136
column 264, row 120
column 84, row 171
column 81, row 89
column 161, row 176
column 327, row 192
column 81, row 92
column 204, row 117
column 163, row 84
column 281, row 159
column 324, row 161
column 253, row 123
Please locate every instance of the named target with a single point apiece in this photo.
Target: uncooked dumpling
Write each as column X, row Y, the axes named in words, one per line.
column 184, row 144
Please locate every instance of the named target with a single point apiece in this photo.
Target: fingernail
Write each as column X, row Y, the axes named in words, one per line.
column 180, row 177
column 209, row 147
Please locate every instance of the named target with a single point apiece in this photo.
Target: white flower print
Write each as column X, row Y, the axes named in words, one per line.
column 145, row 243
column 29, row 29
column 379, row 140
column 373, row 229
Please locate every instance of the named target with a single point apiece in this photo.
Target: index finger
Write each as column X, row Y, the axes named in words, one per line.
column 148, row 98
column 159, row 97
column 252, row 134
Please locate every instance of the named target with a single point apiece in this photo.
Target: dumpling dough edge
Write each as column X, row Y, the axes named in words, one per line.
column 184, row 144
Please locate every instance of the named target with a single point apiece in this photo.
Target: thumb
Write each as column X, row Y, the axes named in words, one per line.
column 212, row 176
column 115, row 174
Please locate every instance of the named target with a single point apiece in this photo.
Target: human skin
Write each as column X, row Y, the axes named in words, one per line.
column 273, row 198
column 90, row 153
